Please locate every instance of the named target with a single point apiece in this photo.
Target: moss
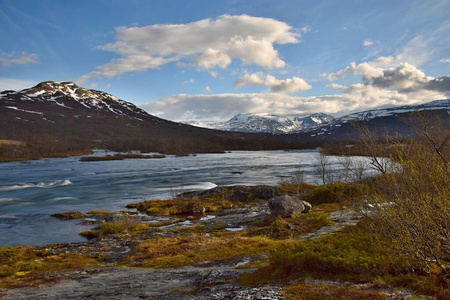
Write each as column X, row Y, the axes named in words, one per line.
column 181, row 206
column 188, row 250
column 23, row 265
column 98, row 212
column 90, row 234
column 69, row 215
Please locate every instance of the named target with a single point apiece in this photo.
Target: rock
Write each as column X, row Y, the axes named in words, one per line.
column 285, row 206
column 69, row 215
column 307, row 205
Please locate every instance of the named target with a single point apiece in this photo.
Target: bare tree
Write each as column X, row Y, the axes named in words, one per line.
column 322, row 167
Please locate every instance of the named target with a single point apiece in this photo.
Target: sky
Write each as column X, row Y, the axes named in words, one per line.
column 210, row 60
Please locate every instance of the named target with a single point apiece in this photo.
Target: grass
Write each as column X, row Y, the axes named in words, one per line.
column 25, row 266
column 69, row 215
column 181, row 206
column 306, row 291
column 189, row 250
column 98, row 212
column 351, row 255
column 296, row 226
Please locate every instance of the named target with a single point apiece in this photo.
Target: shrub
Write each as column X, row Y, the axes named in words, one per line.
column 336, row 193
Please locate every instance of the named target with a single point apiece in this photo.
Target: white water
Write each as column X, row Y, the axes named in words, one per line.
column 31, row 191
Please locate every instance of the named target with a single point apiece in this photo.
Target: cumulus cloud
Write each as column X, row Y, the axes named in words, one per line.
column 207, row 89
column 206, row 44
column 21, row 58
column 403, row 84
column 289, row 85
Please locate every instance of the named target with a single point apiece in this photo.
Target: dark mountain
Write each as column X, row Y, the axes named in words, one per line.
column 66, row 113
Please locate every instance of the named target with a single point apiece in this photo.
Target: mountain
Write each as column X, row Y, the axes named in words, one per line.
column 62, row 115
column 266, row 123
column 396, row 120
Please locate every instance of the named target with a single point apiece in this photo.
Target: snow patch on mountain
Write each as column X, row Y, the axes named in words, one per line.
column 265, row 123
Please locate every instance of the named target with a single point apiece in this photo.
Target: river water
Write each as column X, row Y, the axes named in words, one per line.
column 31, row 191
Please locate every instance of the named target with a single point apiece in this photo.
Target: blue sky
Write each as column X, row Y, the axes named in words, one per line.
column 209, row 60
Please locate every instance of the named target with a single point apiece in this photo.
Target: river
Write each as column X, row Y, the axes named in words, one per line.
column 31, row 191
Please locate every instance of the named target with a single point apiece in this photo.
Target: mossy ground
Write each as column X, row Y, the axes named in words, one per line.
column 25, row 266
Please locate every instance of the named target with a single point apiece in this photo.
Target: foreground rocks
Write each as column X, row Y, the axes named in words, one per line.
column 215, row 282
column 286, row 205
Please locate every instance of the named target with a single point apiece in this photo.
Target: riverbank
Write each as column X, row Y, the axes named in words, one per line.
column 240, row 251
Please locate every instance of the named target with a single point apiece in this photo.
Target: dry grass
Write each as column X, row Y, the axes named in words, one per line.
column 181, row 206
column 188, row 250
column 24, row 266
column 12, row 143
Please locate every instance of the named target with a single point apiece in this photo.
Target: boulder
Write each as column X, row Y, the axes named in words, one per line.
column 285, row 206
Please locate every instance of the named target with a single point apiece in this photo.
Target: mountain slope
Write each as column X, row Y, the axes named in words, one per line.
column 67, row 114
column 266, row 123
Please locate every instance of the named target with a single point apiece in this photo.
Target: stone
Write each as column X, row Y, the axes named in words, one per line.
column 285, row 206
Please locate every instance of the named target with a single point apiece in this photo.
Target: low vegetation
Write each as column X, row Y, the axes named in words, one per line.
column 191, row 249
column 181, row 206
column 23, row 266
column 69, row 215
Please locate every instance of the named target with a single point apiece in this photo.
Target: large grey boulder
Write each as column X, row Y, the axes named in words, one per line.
column 285, row 206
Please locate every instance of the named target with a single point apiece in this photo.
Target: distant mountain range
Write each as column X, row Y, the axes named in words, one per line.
column 317, row 123
column 266, row 123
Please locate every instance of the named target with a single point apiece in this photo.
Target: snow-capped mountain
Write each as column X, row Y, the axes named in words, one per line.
column 313, row 120
column 70, row 99
column 266, row 123
column 392, row 111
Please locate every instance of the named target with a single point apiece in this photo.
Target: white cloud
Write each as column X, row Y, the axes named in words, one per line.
column 402, row 84
column 289, row 85
column 14, row 58
column 191, row 81
column 445, row 60
column 207, row 89
column 368, row 43
column 208, row 43
column 93, row 85
column 15, row 84
column 336, row 86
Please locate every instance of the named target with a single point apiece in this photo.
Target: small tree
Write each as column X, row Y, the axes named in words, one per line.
column 411, row 207
column 322, row 168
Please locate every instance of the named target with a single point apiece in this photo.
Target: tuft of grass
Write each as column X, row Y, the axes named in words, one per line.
column 122, row 225
column 181, row 206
